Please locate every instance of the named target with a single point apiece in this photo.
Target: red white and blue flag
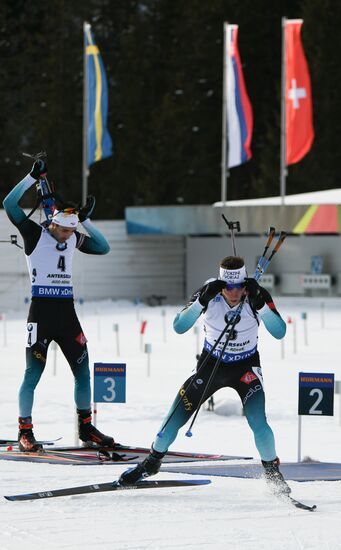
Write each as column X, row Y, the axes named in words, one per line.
column 239, row 117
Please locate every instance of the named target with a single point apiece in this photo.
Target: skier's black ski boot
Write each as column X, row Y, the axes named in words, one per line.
column 89, row 434
column 26, row 440
column 274, row 478
column 149, row 467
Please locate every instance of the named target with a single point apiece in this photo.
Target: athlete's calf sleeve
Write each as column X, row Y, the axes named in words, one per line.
column 33, row 372
column 166, row 436
column 264, row 438
column 82, row 391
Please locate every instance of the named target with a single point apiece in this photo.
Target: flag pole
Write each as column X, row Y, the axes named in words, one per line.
column 283, row 167
column 85, row 169
column 224, row 172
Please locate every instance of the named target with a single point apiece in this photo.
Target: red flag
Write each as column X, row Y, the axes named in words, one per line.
column 298, row 100
column 143, row 327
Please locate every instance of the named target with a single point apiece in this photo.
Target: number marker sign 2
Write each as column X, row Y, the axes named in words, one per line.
column 316, row 394
column 315, row 397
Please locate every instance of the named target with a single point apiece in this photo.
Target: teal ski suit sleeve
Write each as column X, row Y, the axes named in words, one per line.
column 273, row 321
column 11, row 202
column 187, row 317
column 96, row 243
column 29, row 230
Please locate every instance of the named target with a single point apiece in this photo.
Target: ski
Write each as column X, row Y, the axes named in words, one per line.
column 4, row 442
column 293, row 502
column 146, row 450
column 109, row 486
column 51, row 457
column 300, row 505
column 92, row 455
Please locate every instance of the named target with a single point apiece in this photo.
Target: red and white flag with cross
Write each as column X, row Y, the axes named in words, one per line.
column 298, row 98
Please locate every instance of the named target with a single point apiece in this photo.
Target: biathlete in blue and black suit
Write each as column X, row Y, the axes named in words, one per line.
column 49, row 253
column 239, row 367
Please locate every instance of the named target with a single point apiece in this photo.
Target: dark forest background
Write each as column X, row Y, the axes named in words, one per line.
column 163, row 60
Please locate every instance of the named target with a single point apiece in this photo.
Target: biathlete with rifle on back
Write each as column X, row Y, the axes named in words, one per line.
column 49, row 250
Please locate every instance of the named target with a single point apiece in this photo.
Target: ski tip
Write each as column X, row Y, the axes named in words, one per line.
column 12, row 498
column 197, row 481
column 189, row 434
column 301, row 505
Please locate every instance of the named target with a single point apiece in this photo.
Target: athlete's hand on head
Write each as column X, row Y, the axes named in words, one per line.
column 86, row 210
column 39, row 169
column 255, row 292
column 210, row 291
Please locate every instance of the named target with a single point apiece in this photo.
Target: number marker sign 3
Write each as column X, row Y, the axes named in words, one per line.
column 110, row 382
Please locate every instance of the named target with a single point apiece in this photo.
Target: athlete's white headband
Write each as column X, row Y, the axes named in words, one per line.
column 65, row 219
column 233, row 276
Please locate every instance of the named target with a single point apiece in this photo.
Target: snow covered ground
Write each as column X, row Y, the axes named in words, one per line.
column 229, row 513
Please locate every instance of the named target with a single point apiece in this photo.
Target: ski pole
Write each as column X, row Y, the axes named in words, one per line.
column 262, row 267
column 271, row 234
column 236, row 319
column 209, row 354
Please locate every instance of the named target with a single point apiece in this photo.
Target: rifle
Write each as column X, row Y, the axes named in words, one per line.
column 46, row 195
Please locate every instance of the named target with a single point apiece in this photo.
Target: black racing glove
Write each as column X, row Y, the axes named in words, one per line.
column 255, row 292
column 210, row 291
column 39, row 169
column 86, row 210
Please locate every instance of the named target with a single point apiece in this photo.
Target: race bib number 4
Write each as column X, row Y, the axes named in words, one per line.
column 31, row 336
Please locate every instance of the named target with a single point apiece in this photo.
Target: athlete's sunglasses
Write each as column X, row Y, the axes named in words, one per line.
column 70, row 210
column 232, row 286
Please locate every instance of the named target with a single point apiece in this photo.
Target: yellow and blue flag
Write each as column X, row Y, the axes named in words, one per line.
column 98, row 138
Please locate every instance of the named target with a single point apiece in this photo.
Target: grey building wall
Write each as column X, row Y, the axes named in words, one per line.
column 136, row 267
column 167, row 265
column 292, row 261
